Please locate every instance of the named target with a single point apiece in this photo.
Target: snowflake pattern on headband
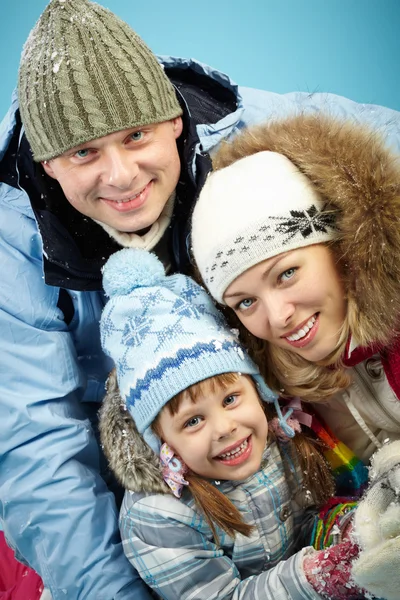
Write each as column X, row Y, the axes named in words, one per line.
column 280, row 231
column 305, row 222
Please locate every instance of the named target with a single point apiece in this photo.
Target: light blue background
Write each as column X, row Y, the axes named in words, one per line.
column 349, row 47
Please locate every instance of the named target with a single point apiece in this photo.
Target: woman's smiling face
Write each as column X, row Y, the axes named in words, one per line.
column 294, row 300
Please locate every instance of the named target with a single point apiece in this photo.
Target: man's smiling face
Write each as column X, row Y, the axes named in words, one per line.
column 123, row 179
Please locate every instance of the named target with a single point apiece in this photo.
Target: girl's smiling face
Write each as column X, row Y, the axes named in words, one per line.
column 294, row 300
column 220, row 435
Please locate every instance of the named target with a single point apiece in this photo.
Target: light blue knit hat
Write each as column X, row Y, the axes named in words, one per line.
column 164, row 334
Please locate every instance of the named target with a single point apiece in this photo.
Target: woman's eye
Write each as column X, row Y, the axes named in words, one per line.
column 245, row 304
column 229, row 400
column 192, row 422
column 137, row 136
column 84, row 153
column 288, row 274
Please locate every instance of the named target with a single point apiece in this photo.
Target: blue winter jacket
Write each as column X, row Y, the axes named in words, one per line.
column 55, row 507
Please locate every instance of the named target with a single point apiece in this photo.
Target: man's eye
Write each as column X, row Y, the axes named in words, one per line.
column 82, row 153
column 137, row 136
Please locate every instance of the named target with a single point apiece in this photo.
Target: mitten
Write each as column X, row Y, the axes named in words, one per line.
column 377, row 527
column 329, row 572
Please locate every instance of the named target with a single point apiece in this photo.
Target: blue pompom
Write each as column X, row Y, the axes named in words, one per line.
column 129, row 269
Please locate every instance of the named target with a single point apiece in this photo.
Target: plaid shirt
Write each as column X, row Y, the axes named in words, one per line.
column 170, row 544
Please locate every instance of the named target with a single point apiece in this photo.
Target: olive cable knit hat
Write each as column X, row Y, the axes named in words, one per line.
column 84, row 73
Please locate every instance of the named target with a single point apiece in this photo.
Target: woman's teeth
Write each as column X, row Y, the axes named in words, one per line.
column 303, row 331
column 236, row 452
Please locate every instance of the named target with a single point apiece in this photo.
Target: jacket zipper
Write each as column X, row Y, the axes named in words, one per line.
column 367, row 384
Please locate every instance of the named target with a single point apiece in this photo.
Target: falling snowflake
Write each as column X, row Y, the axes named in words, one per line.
column 217, row 345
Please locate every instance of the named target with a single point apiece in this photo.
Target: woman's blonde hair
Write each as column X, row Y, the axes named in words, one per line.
column 215, row 506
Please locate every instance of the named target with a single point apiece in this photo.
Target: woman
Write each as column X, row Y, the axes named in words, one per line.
column 297, row 232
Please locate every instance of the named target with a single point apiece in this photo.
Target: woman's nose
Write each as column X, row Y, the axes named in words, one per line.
column 279, row 311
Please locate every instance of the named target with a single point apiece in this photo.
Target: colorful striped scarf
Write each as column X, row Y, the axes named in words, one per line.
column 350, row 474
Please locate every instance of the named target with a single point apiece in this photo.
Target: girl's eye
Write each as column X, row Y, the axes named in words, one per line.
column 84, row 153
column 288, row 274
column 229, row 400
column 192, row 422
column 245, row 304
column 137, row 136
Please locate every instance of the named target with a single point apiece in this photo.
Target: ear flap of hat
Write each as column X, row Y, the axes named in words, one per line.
column 135, row 465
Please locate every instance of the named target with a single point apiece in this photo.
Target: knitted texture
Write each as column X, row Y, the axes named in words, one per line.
column 377, row 527
column 254, row 209
column 164, row 335
column 84, row 73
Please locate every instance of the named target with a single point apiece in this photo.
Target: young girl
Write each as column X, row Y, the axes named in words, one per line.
column 297, row 232
column 215, row 507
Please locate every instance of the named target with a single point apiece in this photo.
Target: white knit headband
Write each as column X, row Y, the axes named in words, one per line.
column 257, row 208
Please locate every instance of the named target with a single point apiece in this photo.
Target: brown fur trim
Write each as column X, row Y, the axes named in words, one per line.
column 133, row 462
column 360, row 180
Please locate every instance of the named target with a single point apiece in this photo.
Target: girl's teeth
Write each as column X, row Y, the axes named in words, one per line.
column 301, row 332
column 237, row 452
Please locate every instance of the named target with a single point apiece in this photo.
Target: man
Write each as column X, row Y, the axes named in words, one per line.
column 111, row 151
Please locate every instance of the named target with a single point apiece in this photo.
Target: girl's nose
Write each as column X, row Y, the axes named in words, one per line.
column 224, row 427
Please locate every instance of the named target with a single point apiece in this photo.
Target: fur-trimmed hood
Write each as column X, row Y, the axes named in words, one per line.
column 132, row 461
column 360, row 179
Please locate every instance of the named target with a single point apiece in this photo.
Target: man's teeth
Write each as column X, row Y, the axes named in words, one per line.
column 236, row 451
column 129, row 199
column 303, row 331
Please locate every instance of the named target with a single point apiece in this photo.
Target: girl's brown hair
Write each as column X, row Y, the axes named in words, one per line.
column 214, row 505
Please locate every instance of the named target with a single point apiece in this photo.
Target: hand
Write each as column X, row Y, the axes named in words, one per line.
column 329, row 572
column 377, row 527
